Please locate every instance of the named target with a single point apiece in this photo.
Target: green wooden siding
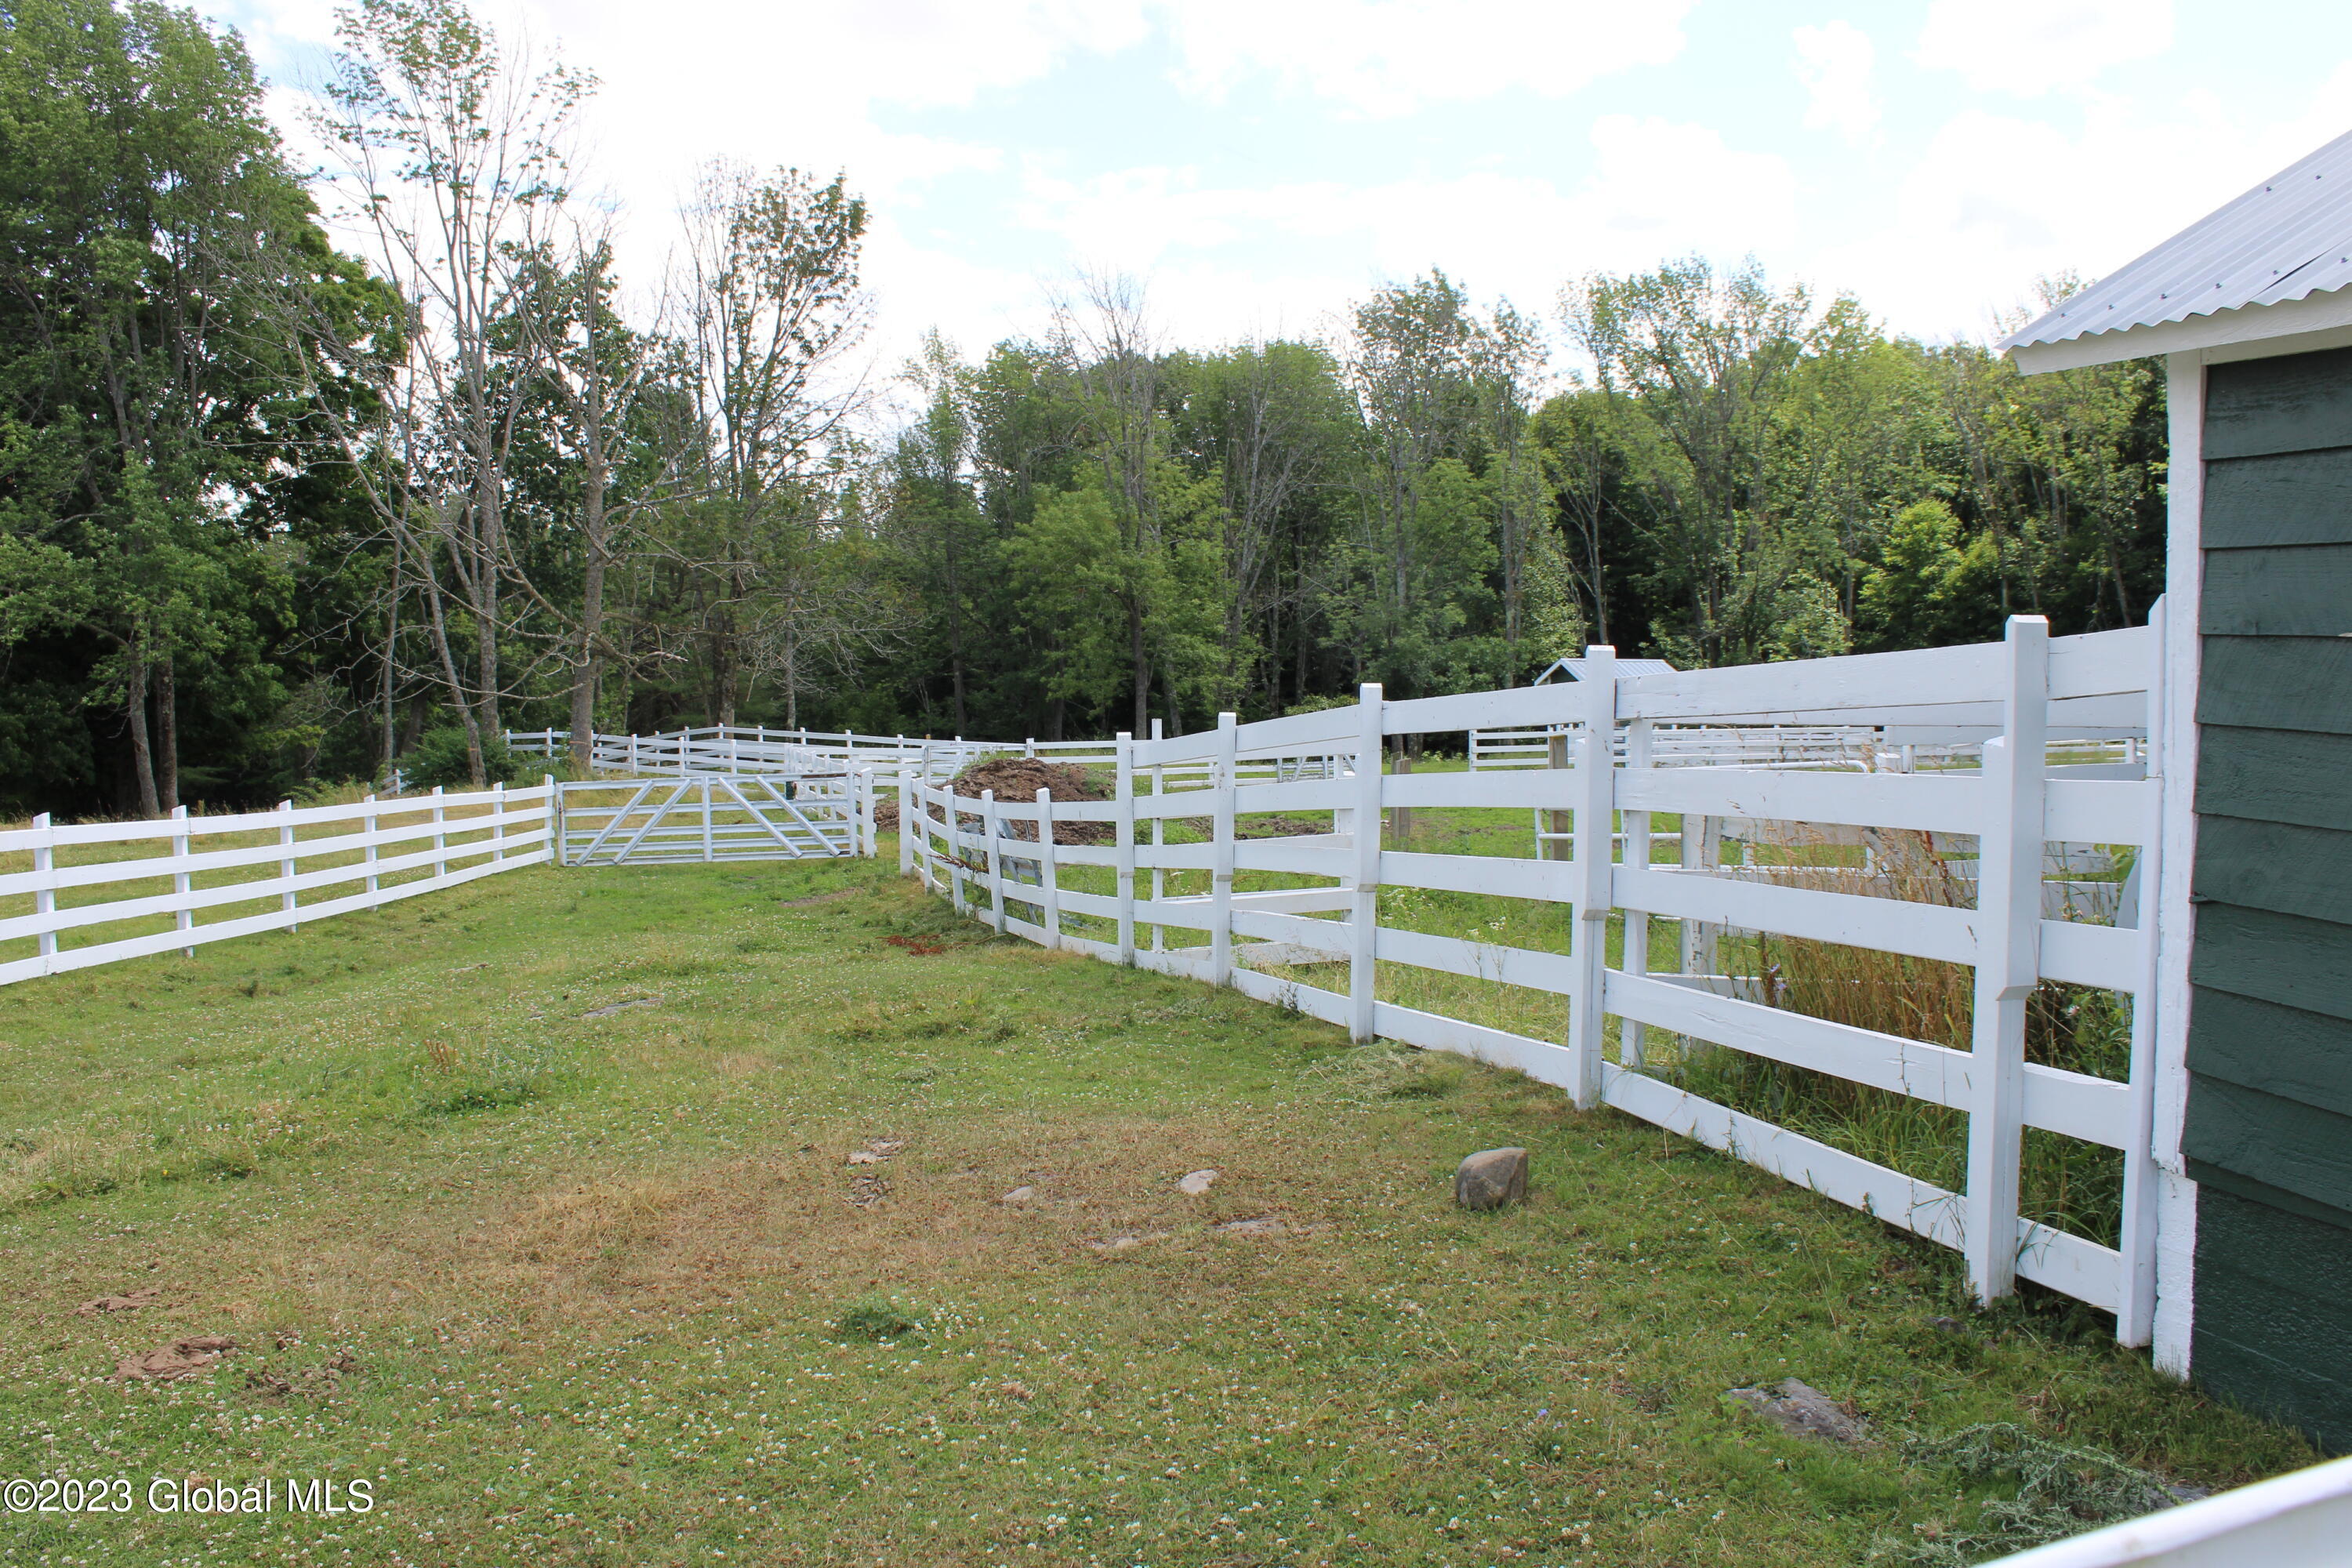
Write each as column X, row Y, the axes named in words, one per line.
column 2301, row 402
column 2277, row 683
column 2271, row 1330
column 2279, row 591
column 2290, row 498
column 2276, row 775
column 2269, row 1132
column 2282, row 1051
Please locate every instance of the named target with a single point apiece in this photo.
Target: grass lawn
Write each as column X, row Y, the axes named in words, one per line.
column 574, row 1289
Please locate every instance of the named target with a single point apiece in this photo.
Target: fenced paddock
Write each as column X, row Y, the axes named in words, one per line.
column 73, row 895
column 1255, row 913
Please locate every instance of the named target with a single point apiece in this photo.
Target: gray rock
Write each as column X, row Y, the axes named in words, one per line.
column 1119, row 1244
column 1492, row 1179
column 1018, row 1195
column 1265, row 1226
column 1195, row 1183
column 1800, row 1409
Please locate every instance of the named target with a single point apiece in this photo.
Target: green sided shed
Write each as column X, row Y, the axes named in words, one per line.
column 2252, row 310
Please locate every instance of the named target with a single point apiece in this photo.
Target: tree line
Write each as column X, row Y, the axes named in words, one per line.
column 306, row 476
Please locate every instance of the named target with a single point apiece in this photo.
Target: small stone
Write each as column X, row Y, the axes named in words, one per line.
column 1265, row 1226
column 1119, row 1244
column 1195, row 1183
column 1492, row 1179
column 864, row 1157
column 1944, row 1325
column 1018, row 1195
column 1802, row 1410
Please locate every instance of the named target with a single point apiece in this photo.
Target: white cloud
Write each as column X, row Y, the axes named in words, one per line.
column 1389, row 57
column 1658, row 189
column 1995, row 201
column 1835, row 63
column 2028, row 46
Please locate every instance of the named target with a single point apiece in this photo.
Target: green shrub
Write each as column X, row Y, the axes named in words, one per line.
column 439, row 758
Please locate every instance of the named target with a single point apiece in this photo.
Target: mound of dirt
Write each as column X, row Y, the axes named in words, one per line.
column 1020, row 778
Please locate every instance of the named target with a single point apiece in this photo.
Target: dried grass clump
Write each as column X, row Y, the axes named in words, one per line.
column 2061, row 1492
column 2067, row 1183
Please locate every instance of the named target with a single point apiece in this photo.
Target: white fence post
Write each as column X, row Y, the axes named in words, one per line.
column 45, row 899
column 2009, row 950
column 1632, row 1033
column 499, row 815
column 1364, row 928
column 286, row 901
column 956, row 869
column 2135, row 1309
column 707, row 854
column 182, row 882
column 993, row 860
column 1047, row 870
column 1595, row 788
column 554, row 819
column 1159, row 835
column 440, row 839
column 1123, row 794
column 1227, row 784
column 906, row 819
column 370, row 819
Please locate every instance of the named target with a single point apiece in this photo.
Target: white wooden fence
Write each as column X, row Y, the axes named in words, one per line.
column 745, row 748
column 109, row 891
column 740, row 749
column 2012, row 694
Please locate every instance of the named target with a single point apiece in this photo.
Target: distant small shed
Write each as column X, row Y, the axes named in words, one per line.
column 2251, row 308
column 1627, row 668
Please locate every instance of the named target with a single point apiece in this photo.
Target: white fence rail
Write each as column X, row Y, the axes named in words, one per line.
column 999, row 858
column 2298, row 1520
column 105, row 891
column 741, row 749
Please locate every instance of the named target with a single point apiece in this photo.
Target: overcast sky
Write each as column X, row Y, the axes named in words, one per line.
column 1261, row 162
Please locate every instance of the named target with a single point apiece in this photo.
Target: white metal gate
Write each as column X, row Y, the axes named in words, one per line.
column 710, row 817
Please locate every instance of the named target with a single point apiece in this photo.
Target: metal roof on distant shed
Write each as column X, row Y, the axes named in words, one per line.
column 2287, row 238
column 1627, row 668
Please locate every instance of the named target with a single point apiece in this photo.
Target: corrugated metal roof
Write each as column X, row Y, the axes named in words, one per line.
column 2288, row 238
column 1626, row 669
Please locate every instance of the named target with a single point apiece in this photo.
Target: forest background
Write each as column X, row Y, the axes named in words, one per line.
column 308, row 473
